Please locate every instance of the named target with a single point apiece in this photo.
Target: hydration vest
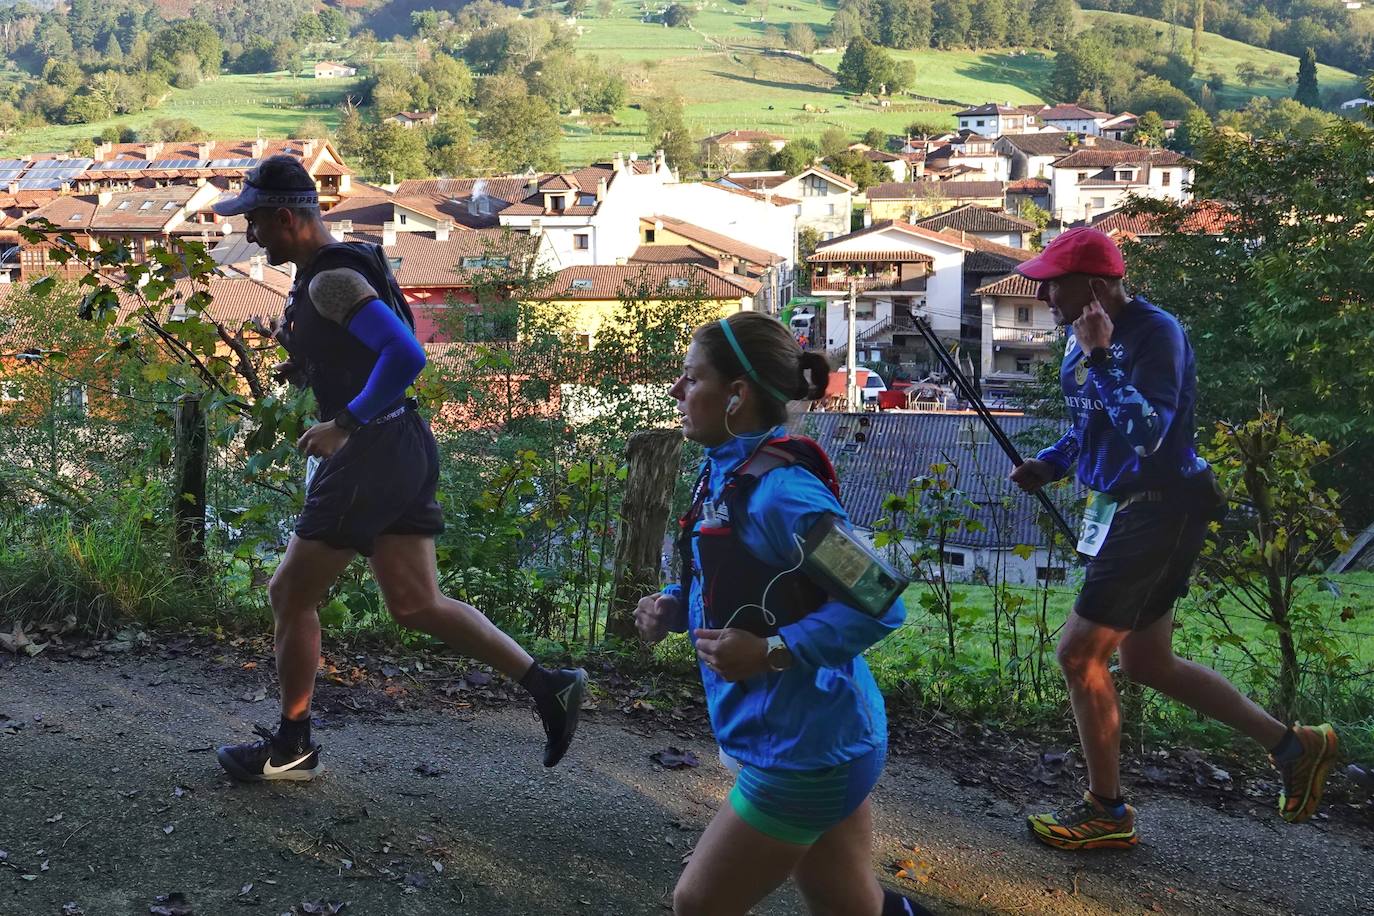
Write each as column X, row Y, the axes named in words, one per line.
column 734, row 579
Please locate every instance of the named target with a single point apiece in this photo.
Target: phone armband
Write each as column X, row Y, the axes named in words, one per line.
column 847, row 566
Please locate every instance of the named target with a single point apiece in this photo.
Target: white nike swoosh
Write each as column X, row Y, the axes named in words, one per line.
column 269, row 770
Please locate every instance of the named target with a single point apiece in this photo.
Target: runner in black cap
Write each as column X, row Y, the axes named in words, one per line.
column 1130, row 383
column 371, row 478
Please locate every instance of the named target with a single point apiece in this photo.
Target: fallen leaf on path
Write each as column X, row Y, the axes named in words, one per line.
column 54, row 819
column 1051, row 766
column 255, row 696
column 675, row 759
column 438, row 866
column 16, row 640
column 168, row 829
column 428, row 769
column 72, row 908
column 245, row 890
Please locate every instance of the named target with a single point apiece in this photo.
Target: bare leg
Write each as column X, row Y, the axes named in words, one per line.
column 407, row 574
column 1084, row 651
column 1147, row 657
column 733, row 867
column 836, row 874
column 298, row 586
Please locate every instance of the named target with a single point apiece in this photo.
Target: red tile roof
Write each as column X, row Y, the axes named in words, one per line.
column 743, row 136
column 978, row 243
column 1104, row 158
column 976, row 218
column 776, row 200
column 1028, row 186
column 1204, row 217
column 714, row 240
column 908, row 228
column 905, row 256
column 672, row 254
column 1012, row 285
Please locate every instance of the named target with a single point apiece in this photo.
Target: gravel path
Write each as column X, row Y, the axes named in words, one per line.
column 112, row 798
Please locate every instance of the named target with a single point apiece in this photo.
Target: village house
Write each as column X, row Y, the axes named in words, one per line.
column 826, row 199
column 985, row 223
column 1074, row 119
column 413, row 119
column 144, row 219
column 992, row 119
column 330, row 70
column 725, row 149
column 1201, row 217
column 896, row 270
column 666, row 239
column 916, row 199
column 1033, row 155
column 1018, row 333
column 1091, row 181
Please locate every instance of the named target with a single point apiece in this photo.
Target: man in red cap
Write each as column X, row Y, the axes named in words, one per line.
column 1130, row 383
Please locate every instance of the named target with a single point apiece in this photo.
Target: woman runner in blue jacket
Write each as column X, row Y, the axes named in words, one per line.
column 796, row 712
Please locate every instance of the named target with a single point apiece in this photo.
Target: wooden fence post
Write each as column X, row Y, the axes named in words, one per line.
column 192, row 462
column 653, row 456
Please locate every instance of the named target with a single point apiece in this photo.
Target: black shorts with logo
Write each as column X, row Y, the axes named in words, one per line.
column 1147, row 559
column 382, row 481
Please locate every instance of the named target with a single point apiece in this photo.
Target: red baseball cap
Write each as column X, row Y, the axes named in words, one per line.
column 1082, row 250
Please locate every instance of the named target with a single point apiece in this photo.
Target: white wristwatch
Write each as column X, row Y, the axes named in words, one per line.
column 779, row 656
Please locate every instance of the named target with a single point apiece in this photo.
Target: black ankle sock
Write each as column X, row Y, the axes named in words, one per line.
column 294, row 733
column 1115, row 805
column 536, row 681
column 1288, row 749
column 894, row 904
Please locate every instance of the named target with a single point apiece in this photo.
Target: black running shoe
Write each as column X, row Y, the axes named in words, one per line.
column 559, row 711
column 260, row 760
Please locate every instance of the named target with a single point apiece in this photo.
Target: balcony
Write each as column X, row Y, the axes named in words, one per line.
column 1034, row 336
column 887, row 282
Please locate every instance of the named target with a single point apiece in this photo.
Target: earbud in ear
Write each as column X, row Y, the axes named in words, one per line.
column 732, row 404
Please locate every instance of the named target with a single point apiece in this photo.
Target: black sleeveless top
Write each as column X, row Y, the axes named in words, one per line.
column 335, row 364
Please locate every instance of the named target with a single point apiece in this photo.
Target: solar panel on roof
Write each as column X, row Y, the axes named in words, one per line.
column 8, row 175
column 120, row 165
column 13, row 164
column 39, row 184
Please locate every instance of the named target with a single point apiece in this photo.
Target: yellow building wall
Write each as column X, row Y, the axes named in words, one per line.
column 905, row 210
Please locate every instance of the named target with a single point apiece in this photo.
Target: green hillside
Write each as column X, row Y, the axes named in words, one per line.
column 1224, row 55
column 229, row 107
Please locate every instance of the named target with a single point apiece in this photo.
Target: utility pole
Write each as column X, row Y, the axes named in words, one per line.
column 851, row 387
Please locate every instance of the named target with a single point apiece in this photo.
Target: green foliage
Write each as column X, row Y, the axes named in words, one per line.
column 521, row 130
column 1293, row 523
column 866, row 67
column 1307, row 92
column 666, row 128
column 800, row 38
column 677, row 15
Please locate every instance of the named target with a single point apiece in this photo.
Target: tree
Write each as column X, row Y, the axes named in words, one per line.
column 395, row 153
column 453, row 149
column 952, row 22
column 1308, row 93
column 576, row 8
column 833, row 142
column 334, row 24
column 796, row 156
column 987, row 23
column 447, row 81
column 168, row 49
column 875, row 138
column 856, row 71
column 521, row 131
column 308, row 28
column 677, row 15
column 665, row 128
column 1149, row 130
column 1247, row 73
column 800, row 38
column 311, row 128
column 907, row 23
column 605, row 8
column 845, row 26
column 1278, row 119
column 1192, row 132
column 857, row 168
column 1284, row 299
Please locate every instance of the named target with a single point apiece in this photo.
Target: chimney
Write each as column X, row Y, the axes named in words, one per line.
column 14, row 187
column 661, row 159
column 536, row 226
column 1090, row 140
column 307, row 149
column 532, row 184
column 258, row 147
column 338, row 231
column 634, row 157
column 255, row 266
column 442, row 229
column 619, row 162
column 601, row 189
column 103, row 198
column 102, row 150
column 388, row 234
column 152, row 150
column 203, row 150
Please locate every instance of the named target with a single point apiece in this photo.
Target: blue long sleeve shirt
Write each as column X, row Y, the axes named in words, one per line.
column 826, row 709
column 1132, row 417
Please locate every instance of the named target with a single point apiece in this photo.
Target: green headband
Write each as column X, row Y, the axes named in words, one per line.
column 748, row 366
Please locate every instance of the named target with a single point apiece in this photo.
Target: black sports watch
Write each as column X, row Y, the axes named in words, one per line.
column 1099, row 357
column 345, row 421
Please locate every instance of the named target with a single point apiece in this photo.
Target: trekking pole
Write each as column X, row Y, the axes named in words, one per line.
column 966, row 391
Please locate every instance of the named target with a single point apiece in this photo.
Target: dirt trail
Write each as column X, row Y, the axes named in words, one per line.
column 111, row 797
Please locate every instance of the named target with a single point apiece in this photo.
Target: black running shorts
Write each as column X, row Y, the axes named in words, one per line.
column 1144, row 564
column 382, row 481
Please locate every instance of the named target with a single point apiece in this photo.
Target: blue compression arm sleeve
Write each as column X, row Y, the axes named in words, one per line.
column 399, row 358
